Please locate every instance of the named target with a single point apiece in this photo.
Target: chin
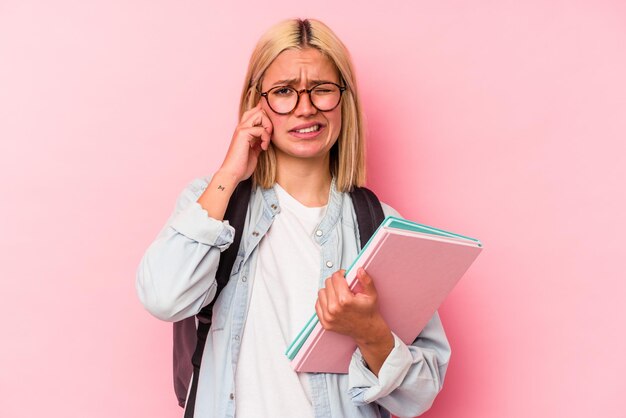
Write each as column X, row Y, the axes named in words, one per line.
column 303, row 148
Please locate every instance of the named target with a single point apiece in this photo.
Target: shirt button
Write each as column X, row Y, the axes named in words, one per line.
column 255, row 234
column 274, row 206
column 237, row 337
column 319, row 232
column 329, row 264
column 244, row 279
column 232, row 396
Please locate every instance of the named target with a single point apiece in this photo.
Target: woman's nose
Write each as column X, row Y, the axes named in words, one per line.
column 305, row 106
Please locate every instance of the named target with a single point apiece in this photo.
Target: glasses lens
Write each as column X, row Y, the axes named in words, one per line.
column 325, row 96
column 282, row 99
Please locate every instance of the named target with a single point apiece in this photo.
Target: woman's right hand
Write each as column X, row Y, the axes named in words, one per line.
column 252, row 136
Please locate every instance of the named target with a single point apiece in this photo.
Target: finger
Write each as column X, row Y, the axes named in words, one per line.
column 266, row 122
column 253, row 116
column 255, row 134
column 265, row 143
column 320, row 311
column 259, row 120
column 331, row 298
column 262, row 120
column 265, row 140
column 366, row 281
column 252, row 109
column 250, row 113
column 342, row 292
column 322, row 299
column 256, row 119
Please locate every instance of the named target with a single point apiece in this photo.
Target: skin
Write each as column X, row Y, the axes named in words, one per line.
column 302, row 170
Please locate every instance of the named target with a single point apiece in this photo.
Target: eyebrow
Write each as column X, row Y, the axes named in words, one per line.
column 291, row 81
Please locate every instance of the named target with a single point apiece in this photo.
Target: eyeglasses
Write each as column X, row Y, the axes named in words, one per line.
column 284, row 99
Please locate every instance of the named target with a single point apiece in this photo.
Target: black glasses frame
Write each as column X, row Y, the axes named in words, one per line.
column 299, row 93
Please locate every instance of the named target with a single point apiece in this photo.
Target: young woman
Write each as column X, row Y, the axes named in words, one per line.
column 300, row 137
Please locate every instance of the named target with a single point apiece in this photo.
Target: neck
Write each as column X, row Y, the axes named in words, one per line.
column 306, row 180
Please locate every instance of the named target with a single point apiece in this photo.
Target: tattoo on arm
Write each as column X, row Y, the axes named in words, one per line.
column 220, row 187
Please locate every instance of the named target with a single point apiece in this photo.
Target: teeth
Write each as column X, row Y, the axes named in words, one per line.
column 309, row 129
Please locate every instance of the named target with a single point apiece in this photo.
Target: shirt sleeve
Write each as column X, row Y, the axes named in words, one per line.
column 411, row 376
column 176, row 276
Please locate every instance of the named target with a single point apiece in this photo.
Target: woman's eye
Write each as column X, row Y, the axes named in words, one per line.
column 323, row 90
column 283, row 91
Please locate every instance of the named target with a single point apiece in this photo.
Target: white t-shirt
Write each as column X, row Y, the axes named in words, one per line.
column 282, row 300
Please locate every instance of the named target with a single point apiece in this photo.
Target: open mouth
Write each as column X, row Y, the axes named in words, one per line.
column 313, row 128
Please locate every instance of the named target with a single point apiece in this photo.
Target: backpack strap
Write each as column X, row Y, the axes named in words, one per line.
column 369, row 212
column 236, row 216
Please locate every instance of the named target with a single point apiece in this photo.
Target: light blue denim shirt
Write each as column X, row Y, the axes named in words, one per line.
column 176, row 278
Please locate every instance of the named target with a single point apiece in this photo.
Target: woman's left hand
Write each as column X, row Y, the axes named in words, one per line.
column 357, row 315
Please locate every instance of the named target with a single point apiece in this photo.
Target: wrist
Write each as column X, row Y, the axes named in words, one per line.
column 378, row 336
column 216, row 196
column 225, row 178
column 376, row 347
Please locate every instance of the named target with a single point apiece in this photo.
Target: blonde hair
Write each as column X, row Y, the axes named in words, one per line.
column 347, row 157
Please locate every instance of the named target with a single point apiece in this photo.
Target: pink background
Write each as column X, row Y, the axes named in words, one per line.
column 501, row 120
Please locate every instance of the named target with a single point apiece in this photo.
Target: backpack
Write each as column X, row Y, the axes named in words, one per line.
column 189, row 339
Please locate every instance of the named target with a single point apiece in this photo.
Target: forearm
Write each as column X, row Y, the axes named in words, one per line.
column 215, row 197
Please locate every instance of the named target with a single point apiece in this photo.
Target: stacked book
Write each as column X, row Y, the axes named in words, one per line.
column 414, row 267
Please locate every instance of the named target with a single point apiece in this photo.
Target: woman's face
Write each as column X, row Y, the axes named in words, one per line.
column 306, row 132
